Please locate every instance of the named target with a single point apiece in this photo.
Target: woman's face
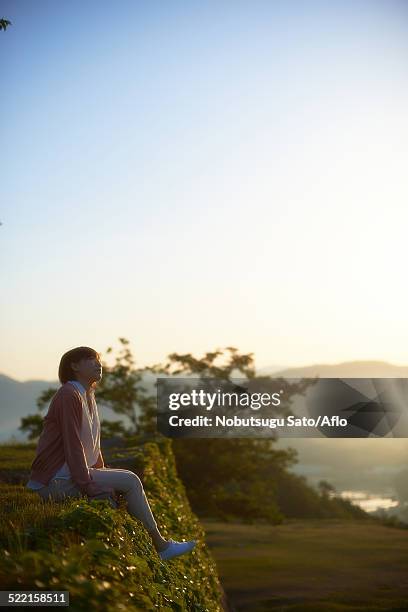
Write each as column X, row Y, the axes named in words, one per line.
column 89, row 369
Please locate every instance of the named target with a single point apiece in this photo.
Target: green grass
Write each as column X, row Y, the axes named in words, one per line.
column 15, row 457
column 103, row 556
column 308, row 566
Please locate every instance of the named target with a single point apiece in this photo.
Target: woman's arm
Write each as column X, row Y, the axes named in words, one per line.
column 100, row 462
column 71, row 421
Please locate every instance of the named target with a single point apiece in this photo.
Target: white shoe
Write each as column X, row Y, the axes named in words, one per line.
column 175, row 549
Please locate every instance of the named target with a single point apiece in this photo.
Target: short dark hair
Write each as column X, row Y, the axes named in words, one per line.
column 65, row 371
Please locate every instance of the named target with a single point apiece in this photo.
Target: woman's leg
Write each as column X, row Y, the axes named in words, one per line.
column 130, row 484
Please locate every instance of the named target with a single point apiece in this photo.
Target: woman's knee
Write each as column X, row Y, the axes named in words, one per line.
column 131, row 479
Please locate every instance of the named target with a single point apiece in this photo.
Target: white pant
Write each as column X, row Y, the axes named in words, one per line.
column 118, row 479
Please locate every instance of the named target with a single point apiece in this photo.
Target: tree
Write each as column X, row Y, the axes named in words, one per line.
column 32, row 425
column 4, row 23
column 121, row 387
column 45, row 397
column 206, row 366
column 239, row 476
column 235, row 365
column 325, row 488
column 109, row 429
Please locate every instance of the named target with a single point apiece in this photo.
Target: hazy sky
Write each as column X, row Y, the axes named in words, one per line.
column 193, row 175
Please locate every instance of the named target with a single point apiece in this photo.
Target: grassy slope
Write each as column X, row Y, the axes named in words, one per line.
column 102, row 556
column 312, row 566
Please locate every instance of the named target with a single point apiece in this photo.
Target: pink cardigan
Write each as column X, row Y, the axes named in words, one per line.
column 60, row 441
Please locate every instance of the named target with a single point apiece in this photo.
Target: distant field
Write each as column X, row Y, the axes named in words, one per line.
column 16, row 457
column 312, row 566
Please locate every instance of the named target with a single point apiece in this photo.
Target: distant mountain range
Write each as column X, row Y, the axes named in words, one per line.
column 346, row 369
column 18, row 399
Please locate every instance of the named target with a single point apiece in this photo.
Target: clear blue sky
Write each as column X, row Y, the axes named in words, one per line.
column 193, row 175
